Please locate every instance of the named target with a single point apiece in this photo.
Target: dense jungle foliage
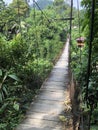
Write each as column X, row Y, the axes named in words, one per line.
column 79, row 63
column 31, row 40
column 30, row 43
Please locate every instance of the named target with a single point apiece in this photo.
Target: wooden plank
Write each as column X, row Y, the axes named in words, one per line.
column 49, row 102
column 53, row 83
column 45, row 108
column 52, row 96
column 45, row 116
column 57, row 80
column 39, row 123
column 31, row 127
column 52, row 89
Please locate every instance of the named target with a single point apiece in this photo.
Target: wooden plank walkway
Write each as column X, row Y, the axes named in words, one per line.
column 44, row 112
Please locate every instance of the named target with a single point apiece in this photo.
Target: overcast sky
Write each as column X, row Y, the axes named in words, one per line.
column 74, row 2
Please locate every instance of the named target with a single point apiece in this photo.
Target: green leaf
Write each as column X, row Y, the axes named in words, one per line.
column 0, row 72
column 0, row 97
column 13, row 76
column 5, row 90
column 3, row 107
column 16, row 106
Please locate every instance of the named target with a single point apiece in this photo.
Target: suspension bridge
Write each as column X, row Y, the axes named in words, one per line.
column 48, row 106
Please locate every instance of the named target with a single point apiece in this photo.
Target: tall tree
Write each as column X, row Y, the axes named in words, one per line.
column 21, row 7
column 7, row 18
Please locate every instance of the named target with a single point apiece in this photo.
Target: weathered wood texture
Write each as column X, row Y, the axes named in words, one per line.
column 45, row 110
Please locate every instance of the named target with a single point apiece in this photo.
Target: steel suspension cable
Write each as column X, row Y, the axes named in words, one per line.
column 90, row 46
column 78, row 8
column 71, row 11
column 37, row 46
column 70, row 35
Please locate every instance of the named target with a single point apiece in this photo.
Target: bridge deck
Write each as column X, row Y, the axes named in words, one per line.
column 44, row 112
